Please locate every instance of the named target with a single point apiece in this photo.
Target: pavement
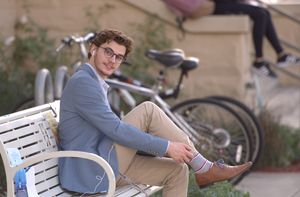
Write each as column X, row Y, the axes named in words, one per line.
column 283, row 101
column 266, row 184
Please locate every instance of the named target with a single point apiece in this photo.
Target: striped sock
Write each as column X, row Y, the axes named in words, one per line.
column 200, row 164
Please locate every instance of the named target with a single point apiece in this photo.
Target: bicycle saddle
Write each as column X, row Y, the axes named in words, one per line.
column 169, row 58
column 189, row 63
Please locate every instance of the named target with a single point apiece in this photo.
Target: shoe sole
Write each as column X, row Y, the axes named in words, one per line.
column 285, row 65
column 259, row 73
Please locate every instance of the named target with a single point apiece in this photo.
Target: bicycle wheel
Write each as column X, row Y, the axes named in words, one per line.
column 28, row 103
column 255, row 130
column 221, row 132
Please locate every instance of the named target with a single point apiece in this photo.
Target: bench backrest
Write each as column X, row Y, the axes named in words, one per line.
column 31, row 132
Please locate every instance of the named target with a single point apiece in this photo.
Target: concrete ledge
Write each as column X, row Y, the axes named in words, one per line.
column 219, row 24
column 207, row 24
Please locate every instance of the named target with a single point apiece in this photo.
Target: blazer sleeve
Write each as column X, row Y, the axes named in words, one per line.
column 91, row 103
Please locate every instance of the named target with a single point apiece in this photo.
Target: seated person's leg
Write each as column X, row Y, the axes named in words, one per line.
column 150, row 118
column 158, row 171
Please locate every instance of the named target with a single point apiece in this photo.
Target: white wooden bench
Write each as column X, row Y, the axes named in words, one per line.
column 33, row 133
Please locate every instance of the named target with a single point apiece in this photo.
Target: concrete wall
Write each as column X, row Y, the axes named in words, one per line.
column 222, row 43
column 8, row 14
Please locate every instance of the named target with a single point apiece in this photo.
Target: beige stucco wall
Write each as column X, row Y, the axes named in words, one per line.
column 223, row 44
column 8, row 14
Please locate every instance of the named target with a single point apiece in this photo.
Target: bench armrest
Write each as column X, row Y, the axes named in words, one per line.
column 78, row 154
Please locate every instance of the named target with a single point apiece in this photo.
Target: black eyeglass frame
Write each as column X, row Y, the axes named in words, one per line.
column 109, row 52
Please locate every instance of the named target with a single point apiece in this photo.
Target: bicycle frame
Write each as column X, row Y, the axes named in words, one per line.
column 187, row 65
column 154, row 97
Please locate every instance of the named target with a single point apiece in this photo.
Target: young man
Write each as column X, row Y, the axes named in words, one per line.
column 88, row 124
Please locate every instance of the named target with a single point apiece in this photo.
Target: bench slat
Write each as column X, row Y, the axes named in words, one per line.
column 22, row 143
column 15, row 124
column 33, row 144
column 20, row 122
column 129, row 190
column 40, row 139
column 40, row 167
column 18, row 133
column 54, row 192
column 64, row 194
column 42, row 176
column 31, row 150
column 44, row 186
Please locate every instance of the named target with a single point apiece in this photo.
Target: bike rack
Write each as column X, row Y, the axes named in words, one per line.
column 76, row 66
column 43, row 91
column 60, row 80
column 258, row 96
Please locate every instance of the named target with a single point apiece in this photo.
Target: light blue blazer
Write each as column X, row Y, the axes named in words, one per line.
column 88, row 124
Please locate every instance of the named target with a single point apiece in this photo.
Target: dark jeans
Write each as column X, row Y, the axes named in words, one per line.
column 262, row 23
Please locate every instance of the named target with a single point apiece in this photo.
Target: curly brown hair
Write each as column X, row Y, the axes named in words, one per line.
column 109, row 35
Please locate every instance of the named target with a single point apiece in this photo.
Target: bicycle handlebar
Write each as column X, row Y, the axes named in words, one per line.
column 68, row 40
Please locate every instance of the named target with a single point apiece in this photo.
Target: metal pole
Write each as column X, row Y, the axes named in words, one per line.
column 43, row 91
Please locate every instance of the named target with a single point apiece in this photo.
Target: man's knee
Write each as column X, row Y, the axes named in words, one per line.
column 148, row 104
column 150, row 107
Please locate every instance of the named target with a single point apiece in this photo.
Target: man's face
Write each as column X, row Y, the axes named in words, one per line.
column 107, row 58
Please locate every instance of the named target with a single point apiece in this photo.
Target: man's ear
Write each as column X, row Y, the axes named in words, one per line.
column 93, row 50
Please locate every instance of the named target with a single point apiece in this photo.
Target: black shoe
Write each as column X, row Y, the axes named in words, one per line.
column 264, row 69
column 287, row 60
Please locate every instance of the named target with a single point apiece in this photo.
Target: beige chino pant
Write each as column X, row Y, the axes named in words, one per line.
column 160, row 171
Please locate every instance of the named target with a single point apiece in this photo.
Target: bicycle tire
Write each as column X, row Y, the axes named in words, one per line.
column 25, row 104
column 256, row 131
column 207, row 116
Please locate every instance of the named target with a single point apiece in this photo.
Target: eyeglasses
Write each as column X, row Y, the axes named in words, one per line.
column 110, row 53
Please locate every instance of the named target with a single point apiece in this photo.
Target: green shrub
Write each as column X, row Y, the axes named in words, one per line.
column 221, row 189
column 282, row 143
column 31, row 50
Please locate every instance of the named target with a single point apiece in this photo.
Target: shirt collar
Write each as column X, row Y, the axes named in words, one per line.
column 101, row 81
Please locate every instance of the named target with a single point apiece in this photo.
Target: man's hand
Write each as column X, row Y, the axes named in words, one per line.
column 180, row 152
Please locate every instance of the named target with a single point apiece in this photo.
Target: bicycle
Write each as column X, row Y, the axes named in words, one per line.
column 226, row 137
column 255, row 131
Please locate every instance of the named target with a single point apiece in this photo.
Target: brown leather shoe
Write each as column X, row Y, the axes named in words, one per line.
column 220, row 172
